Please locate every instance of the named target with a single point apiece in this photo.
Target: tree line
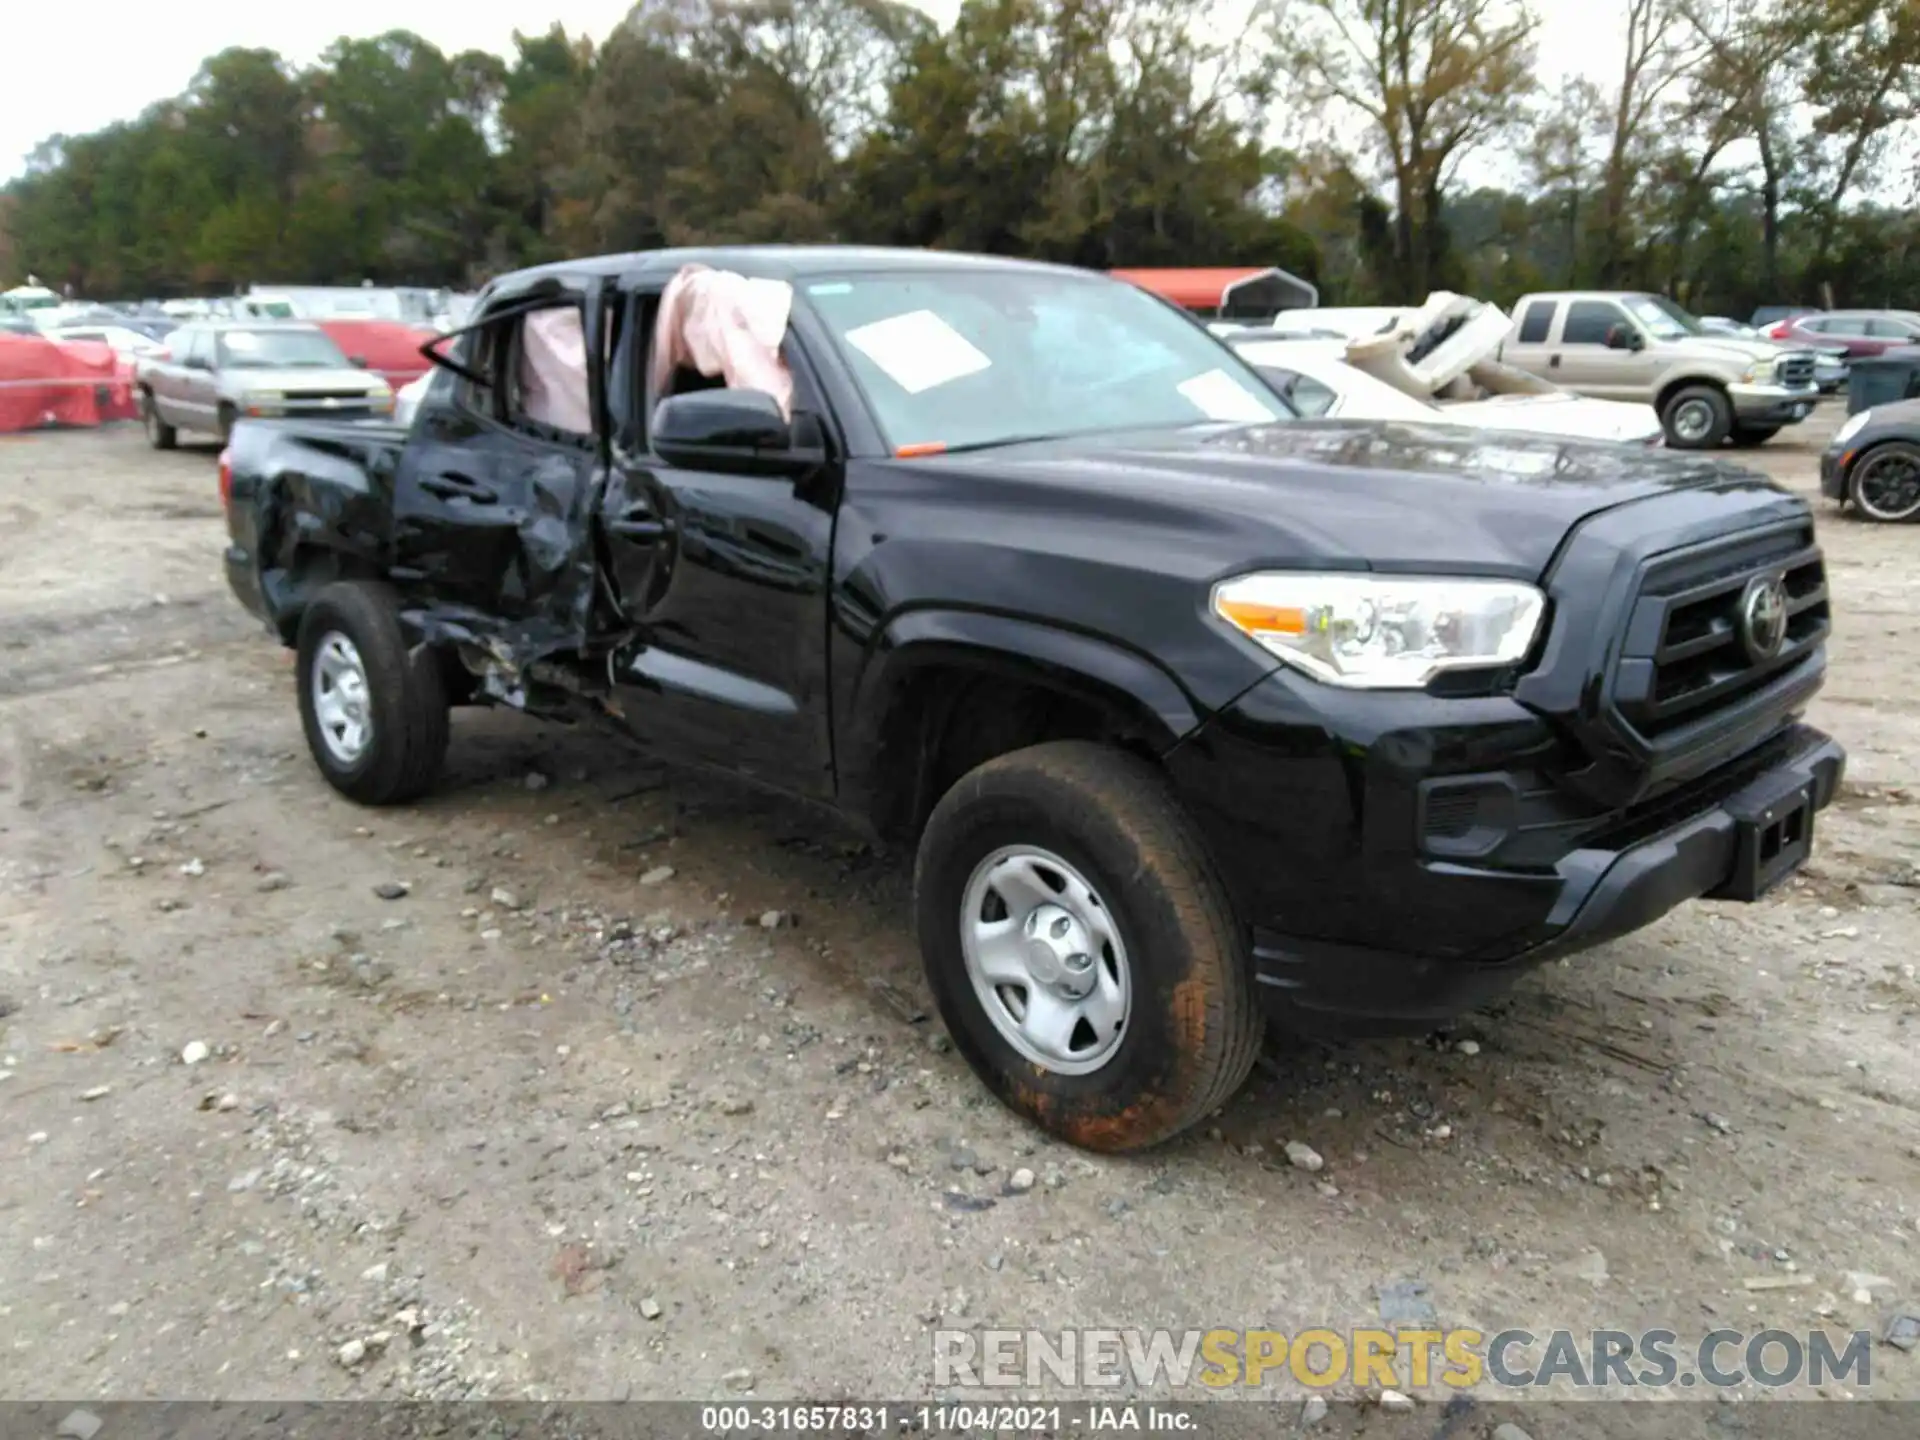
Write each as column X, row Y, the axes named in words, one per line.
column 1742, row 152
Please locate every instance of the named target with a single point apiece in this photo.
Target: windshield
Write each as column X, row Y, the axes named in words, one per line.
column 279, row 350
column 959, row 359
column 1661, row 318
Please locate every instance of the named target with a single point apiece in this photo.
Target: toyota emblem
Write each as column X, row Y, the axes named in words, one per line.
column 1763, row 617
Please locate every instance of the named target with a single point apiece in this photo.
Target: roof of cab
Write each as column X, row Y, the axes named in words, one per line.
column 773, row 262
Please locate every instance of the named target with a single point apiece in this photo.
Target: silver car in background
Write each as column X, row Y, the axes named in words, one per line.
column 215, row 373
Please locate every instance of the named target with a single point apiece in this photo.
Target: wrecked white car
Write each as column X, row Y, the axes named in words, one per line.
column 1437, row 362
column 1315, row 377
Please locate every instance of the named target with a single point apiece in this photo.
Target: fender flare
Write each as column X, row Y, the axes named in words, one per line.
column 1116, row 680
column 1092, row 667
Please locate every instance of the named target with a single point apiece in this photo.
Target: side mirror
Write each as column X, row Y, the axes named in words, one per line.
column 731, row 430
column 1622, row 337
column 359, row 362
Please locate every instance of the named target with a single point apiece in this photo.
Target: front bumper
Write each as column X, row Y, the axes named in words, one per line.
column 1772, row 404
column 1833, row 474
column 1362, row 922
column 1600, row 895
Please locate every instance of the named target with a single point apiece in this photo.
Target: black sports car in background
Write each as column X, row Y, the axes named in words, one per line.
column 1873, row 462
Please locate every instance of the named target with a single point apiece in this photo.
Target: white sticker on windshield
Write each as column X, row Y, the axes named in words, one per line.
column 919, row 350
column 1219, row 396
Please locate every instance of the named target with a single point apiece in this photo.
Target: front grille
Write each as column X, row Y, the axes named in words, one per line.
column 356, row 409
column 1688, row 651
column 1795, row 371
column 314, row 397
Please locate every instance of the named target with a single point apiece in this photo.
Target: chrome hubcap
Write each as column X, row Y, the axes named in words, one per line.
column 341, row 700
column 1046, row 959
column 1693, row 420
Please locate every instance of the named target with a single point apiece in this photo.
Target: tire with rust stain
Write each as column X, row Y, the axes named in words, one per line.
column 405, row 695
column 1193, row 1027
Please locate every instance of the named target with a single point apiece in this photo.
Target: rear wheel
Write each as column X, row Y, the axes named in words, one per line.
column 1748, row 436
column 374, row 711
column 1079, row 945
column 1697, row 417
column 160, row 435
column 1885, row 483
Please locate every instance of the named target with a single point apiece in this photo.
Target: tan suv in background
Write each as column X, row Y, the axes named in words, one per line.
column 1623, row 345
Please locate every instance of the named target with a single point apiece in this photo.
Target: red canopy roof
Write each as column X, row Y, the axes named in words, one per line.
column 1208, row 287
column 390, row 349
column 1201, row 289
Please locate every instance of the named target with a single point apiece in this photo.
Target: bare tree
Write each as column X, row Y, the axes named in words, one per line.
column 1656, row 59
column 1562, row 165
column 1749, row 71
column 1863, row 82
column 1434, row 79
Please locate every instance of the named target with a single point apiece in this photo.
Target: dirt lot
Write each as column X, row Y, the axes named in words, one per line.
column 579, row 1116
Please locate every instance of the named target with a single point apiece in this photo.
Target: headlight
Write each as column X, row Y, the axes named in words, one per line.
column 265, row 397
column 1382, row 632
column 1853, row 426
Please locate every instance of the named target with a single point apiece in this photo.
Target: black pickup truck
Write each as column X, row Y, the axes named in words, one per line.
column 1199, row 714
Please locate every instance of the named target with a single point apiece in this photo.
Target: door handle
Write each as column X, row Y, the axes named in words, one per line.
column 451, row 485
column 638, row 522
column 1553, row 362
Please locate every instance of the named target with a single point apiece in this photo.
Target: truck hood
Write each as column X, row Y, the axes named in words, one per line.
column 1731, row 349
column 1437, row 498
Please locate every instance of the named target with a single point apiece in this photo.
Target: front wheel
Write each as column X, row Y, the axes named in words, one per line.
column 375, row 712
column 160, row 435
column 1697, row 418
column 1080, row 948
column 1885, row 483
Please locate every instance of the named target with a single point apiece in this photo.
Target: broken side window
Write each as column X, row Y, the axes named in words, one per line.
column 549, row 379
column 719, row 328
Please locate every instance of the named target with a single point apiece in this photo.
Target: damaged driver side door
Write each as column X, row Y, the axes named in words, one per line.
column 723, row 575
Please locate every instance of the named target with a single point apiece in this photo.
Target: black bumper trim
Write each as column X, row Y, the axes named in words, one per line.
column 1603, row 895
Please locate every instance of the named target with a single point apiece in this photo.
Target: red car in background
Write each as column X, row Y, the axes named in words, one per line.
column 1862, row 332
column 386, row 347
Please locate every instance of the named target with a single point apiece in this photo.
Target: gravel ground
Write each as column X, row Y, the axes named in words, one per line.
column 631, row 1089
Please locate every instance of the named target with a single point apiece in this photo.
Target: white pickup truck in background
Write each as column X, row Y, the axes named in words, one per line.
column 1629, row 347
column 1708, row 388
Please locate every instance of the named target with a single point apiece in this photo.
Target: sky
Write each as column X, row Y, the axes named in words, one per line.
column 58, row 82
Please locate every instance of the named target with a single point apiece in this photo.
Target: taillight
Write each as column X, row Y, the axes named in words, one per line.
column 226, row 477
column 1778, row 332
